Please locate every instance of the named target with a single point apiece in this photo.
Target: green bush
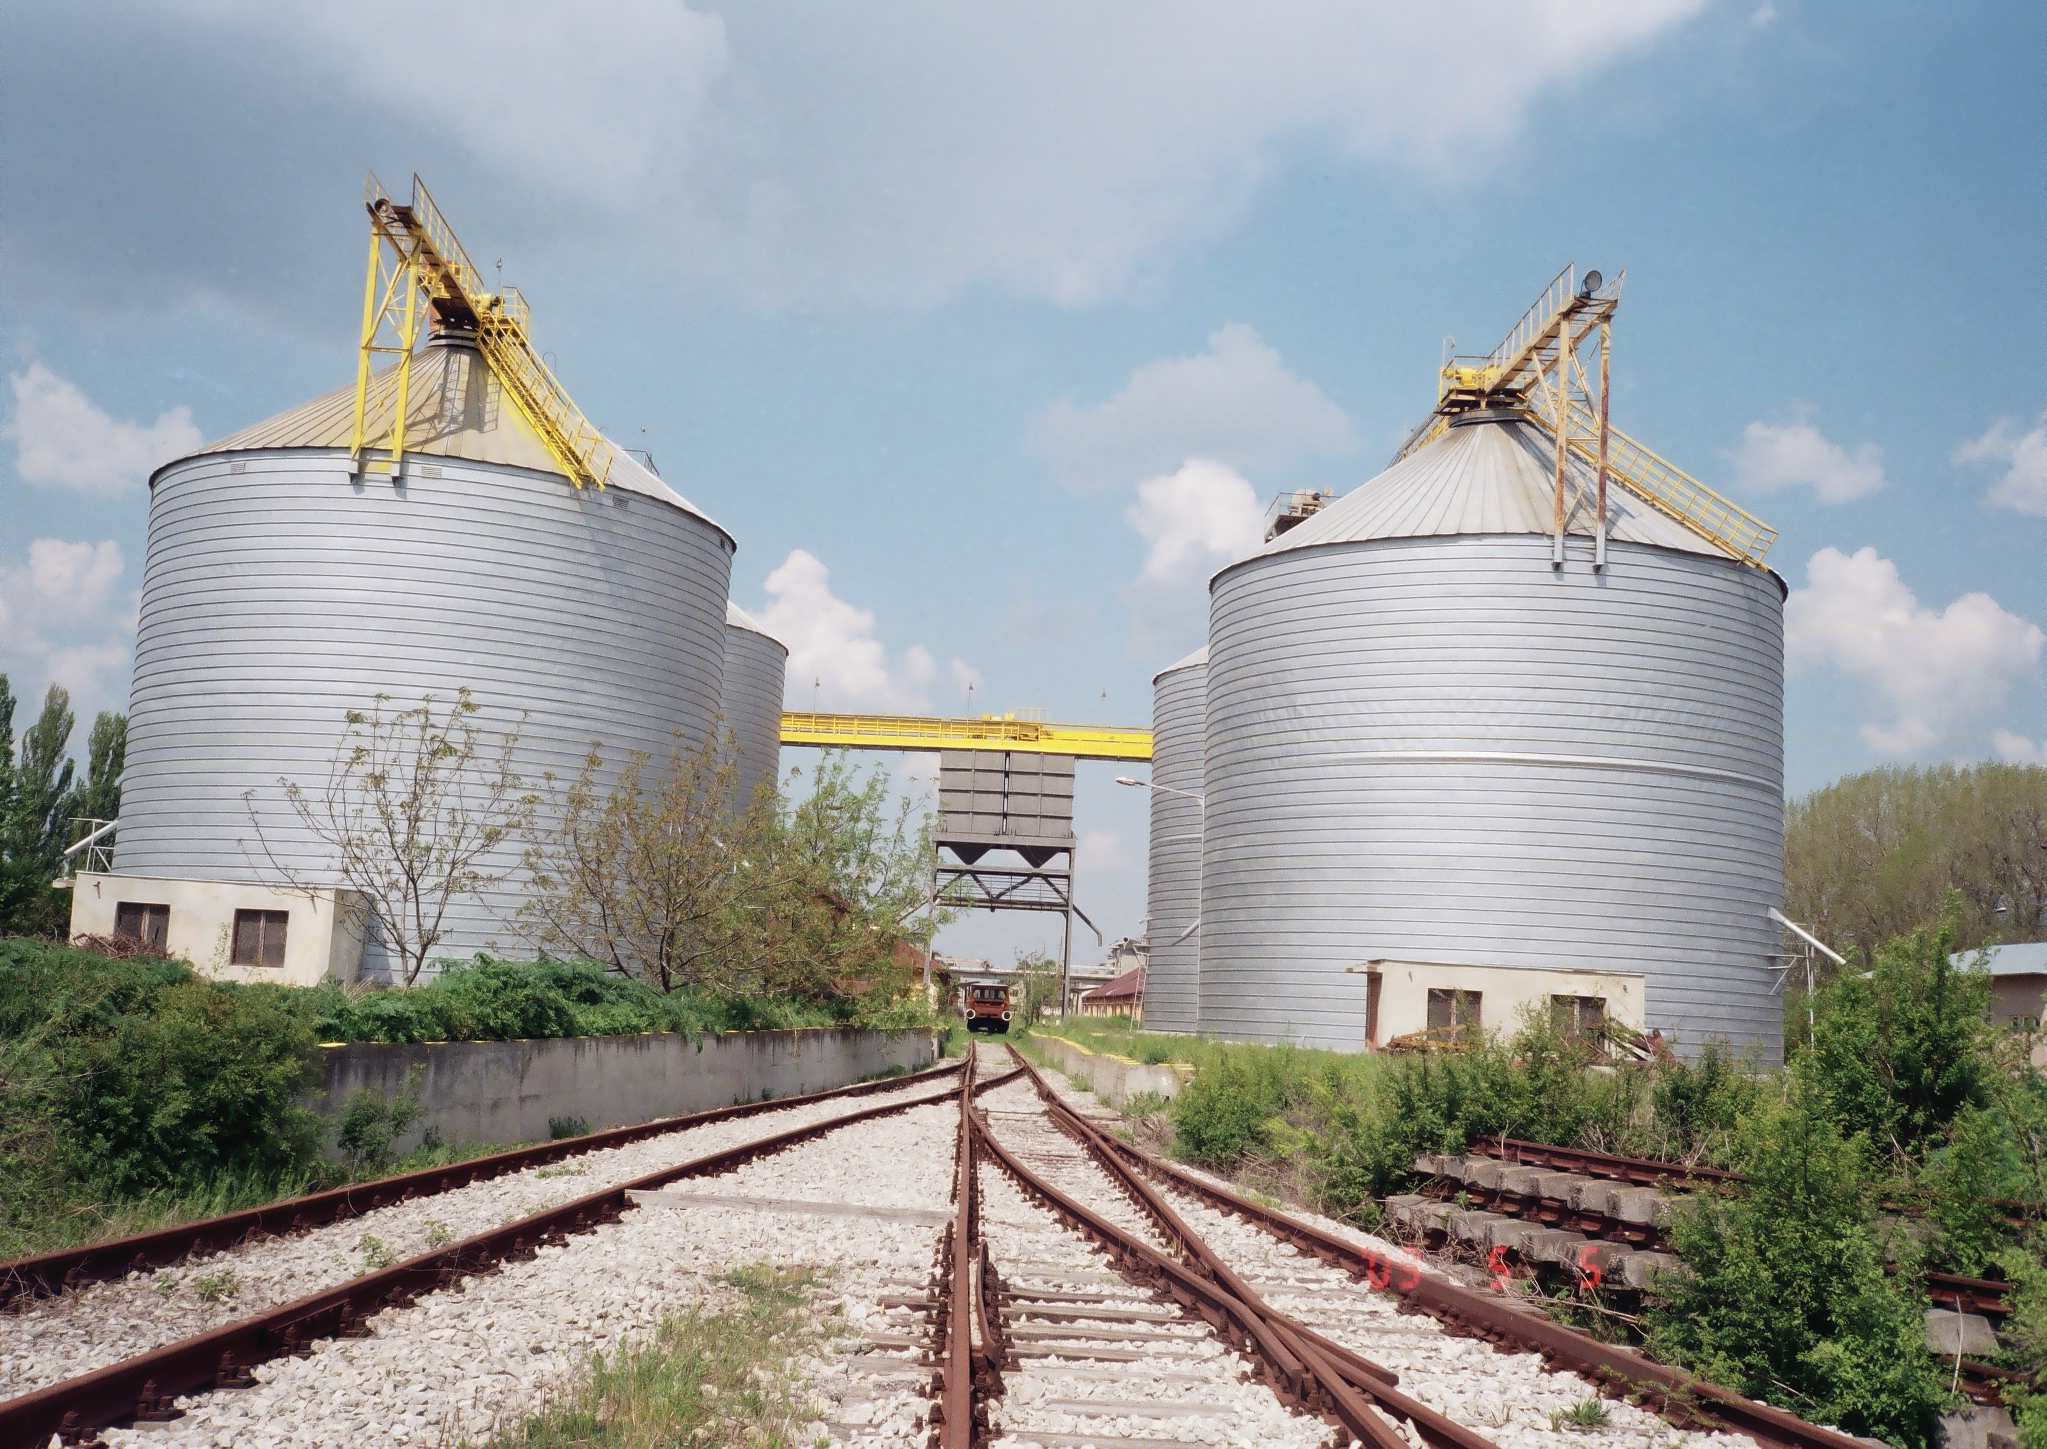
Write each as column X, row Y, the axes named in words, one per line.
column 1899, row 1054
column 1789, row 1289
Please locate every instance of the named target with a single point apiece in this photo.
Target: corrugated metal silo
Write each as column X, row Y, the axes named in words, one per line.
column 1433, row 756
column 281, row 590
column 1172, row 980
column 751, row 696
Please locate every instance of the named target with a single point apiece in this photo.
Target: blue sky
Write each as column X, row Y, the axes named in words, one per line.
column 989, row 333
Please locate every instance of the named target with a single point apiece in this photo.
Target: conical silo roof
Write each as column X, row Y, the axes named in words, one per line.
column 1199, row 656
column 1487, row 474
column 738, row 618
column 455, row 409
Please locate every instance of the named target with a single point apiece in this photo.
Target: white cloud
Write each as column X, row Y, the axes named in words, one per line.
column 2023, row 456
column 1934, row 669
column 836, row 657
column 62, row 439
column 2017, row 749
column 1763, row 16
column 65, row 620
column 1234, row 402
column 1777, row 457
column 1200, row 515
column 844, row 151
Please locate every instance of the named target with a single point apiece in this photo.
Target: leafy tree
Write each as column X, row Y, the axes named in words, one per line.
column 646, row 873
column 1038, row 976
column 33, row 814
column 419, row 811
column 851, row 867
column 1899, row 1053
column 98, row 795
column 653, row 874
column 1872, row 856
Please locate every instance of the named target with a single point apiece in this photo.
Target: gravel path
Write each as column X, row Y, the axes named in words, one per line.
column 44, row 1341
column 1146, row 1370
column 1504, row 1395
column 470, row 1360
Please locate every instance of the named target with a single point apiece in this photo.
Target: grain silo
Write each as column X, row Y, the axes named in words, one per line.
column 1172, row 981
column 287, row 584
column 751, row 700
column 1461, row 764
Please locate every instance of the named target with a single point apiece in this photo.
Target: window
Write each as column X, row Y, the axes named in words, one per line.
column 1578, row 1015
column 143, row 923
column 1455, row 1011
column 259, row 938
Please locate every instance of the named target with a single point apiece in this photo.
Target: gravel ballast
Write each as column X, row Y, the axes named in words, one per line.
column 45, row 1341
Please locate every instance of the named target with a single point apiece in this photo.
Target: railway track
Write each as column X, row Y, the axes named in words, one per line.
column 1336, row 1327
column 113, row 1353
column 1001, row 1271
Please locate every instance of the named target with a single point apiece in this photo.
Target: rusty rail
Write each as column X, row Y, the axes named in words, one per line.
column 144, row 1386
column 1360, row 1378
column 958, row 1420
column 1682, row 1398
column 49, row 1274
column 1986, row 1296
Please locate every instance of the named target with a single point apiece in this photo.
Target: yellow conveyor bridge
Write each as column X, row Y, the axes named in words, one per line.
column 1007, row 733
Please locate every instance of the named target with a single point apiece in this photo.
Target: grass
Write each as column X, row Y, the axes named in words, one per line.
column 706, row 1377
column 91, row 1218
column 1582, row 1417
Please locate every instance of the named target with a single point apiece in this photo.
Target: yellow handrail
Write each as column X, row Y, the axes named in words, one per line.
column 932, row 732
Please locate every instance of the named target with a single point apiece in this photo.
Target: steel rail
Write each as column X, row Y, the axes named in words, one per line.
column 1305, row 1381
column 143, row 1387
column 957, row 1418
column 50, row 1274
column 1657, row 1171
column 1685, row 1399
column 1986, row 1296
column 1370, row 1380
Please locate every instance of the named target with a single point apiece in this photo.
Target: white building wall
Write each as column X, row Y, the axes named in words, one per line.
column 322, row 938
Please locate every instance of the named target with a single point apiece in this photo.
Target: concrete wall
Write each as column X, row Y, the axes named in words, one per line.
column 1506, row 992
column 1114, row 1079
column 491, row 1091
column 323, row 937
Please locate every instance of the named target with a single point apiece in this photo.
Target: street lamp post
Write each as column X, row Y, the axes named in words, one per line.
column 1201, row 800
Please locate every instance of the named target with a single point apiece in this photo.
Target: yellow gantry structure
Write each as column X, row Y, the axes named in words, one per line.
column 1536, row 369
column 414, row 256
column 989, row 732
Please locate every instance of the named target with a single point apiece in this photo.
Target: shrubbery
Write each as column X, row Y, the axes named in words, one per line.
column 1804, row 1291
column 123, row 1081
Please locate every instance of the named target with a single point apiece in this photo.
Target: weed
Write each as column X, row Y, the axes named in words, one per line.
column 566, row 1169
column 439, row 1235
column 560, row 1127
column 704, row 1377
column 220, row 1287
column 164, row 1285
column 376, row 1253
column 1582, row 1417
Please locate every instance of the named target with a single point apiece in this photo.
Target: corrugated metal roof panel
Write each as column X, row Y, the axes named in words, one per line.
column 738, row 618
column 455, row 409
column 2013, row 958
column 1486, row 477
column 1199, row 656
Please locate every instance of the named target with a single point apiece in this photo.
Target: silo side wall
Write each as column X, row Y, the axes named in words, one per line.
column 751, row 695
column 1442, row 750
column 1172, row 980
column 280, row 593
